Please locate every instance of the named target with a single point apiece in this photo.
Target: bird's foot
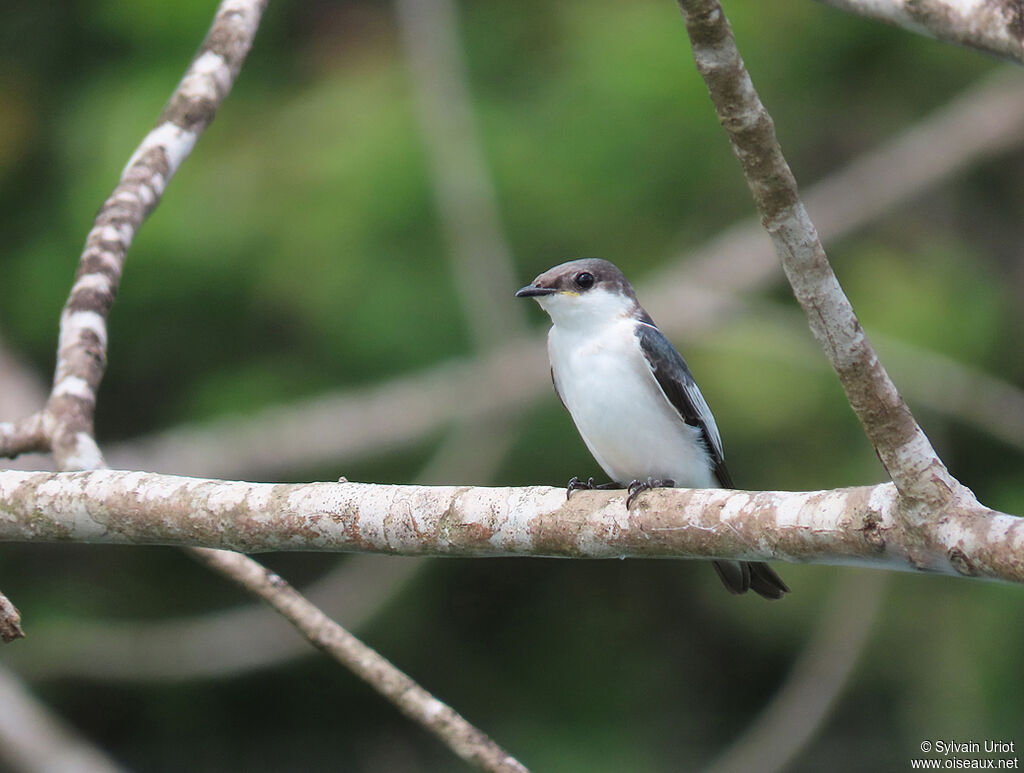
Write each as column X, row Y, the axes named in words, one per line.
column 575, row 484
column 638, row 487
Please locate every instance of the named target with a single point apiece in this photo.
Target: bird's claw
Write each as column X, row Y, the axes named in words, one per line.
column 638, row 487
column 575, row 484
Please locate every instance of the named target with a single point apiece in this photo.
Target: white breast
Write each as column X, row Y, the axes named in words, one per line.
column 628, row 424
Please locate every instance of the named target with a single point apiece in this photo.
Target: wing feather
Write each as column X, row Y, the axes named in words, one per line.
column 677, row 383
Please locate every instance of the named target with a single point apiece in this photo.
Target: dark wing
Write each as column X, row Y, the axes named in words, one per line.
column 676, row 381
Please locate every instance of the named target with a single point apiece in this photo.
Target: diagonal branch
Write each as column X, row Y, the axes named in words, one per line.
column 82, row 348
column 995, row 26
column 861, row 525
column 920, row 476
column 65, row 425
column 325, row 634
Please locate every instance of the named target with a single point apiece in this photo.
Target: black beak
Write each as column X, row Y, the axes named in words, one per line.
column 531, row 291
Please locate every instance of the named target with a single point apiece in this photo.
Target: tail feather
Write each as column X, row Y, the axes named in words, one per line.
column 740, row 576
column 765, row 582
column 735, row 575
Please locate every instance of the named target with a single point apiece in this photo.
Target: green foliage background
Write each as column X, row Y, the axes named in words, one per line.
column 298, row 251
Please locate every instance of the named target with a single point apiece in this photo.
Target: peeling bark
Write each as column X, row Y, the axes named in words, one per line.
column 862, row 526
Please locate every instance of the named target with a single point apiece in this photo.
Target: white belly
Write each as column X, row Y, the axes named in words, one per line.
column 620, row 411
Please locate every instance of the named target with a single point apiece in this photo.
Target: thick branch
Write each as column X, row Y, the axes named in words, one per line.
column 995, row 26
column 861, row 526
column 902, row 446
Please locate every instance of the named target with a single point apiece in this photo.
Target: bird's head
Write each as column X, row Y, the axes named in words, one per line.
column 583, row 292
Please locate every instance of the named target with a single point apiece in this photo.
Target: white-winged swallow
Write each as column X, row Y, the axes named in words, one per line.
column 632, row 396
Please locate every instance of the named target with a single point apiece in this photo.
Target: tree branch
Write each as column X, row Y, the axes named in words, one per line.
column 239, row 639
column 920, row 476
column 856, row 525
column 325, row 634
column 995, row 26
column 24, row 436
column 65, row 425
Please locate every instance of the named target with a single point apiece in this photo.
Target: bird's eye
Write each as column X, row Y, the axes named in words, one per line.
column 584, row 280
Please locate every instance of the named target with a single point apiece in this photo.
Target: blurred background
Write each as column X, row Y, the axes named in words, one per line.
column 326, row 290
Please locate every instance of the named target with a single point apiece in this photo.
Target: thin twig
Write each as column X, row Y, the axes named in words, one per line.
column 24, row 436
column 905, row 451
column 415, row 702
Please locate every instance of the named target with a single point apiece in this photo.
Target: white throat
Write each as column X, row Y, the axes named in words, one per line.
column 589, row 310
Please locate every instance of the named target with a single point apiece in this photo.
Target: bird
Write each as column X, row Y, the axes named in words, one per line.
column 632, row 397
